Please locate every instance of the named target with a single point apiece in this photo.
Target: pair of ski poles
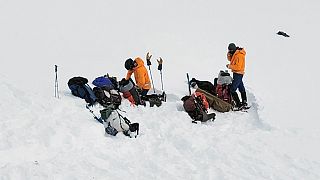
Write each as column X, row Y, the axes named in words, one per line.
column 160, row 61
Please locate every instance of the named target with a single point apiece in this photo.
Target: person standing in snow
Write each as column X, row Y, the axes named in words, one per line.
column 140, row 72
column 236, row 56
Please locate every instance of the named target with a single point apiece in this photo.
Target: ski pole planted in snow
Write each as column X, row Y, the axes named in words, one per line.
column 56, row 89
column 163, row 96
column 149, row 64
column 160, row 61
column 188, row 79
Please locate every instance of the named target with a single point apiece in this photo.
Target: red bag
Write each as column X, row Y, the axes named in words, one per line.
column 223, row 92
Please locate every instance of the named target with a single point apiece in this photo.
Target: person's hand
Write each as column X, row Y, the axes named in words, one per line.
column 160, row 61
column 148, row 57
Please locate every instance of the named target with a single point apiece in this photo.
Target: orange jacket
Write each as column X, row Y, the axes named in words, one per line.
column 237, row 61
column 140, row 74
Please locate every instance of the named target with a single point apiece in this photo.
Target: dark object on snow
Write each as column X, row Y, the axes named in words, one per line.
column 114, row 122
column 80, row 88
column 154, row 99
column 204, row 85
column 195, row 108
column 107, row 97
column 283, row 34
column 103, row 82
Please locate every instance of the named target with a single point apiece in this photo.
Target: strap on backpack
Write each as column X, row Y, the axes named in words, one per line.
column 132, row 126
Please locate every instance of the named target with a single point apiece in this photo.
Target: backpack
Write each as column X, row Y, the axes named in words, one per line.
column 194, row 106
column 224, row 77
column 215, row 102
column 105, row 97
column 103, row 82
column 80, row 88
column 127, row 87
column 223, row 92
column 114, row 122
column 205, row 85
column 223, row 85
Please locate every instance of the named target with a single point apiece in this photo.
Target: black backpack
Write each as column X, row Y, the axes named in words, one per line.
column 112, row 96
column 80, row 88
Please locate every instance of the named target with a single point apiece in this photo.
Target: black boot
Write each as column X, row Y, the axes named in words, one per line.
column 244, row 98
column 155, row 101
column 236, row 99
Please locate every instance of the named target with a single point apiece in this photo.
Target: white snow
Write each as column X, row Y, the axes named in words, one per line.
column 42, row 137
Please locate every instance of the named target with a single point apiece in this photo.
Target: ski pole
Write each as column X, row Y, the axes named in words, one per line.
column 104, row 122
column 189, row 84
column 149, row 64
column 160, row 61
column 94, row 116
column 56, row 89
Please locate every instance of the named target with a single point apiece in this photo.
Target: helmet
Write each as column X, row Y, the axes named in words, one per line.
column 129, row 64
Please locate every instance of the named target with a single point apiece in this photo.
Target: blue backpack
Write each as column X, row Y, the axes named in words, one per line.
column 104, row 83
column 80, row 88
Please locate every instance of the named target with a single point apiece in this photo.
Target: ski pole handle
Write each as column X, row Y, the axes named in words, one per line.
column 160, row 61
column 148, row 57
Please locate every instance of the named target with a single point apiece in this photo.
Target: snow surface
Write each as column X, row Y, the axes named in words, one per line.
column 42, row 137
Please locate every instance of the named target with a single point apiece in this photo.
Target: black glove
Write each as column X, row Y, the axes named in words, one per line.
column 123, row 82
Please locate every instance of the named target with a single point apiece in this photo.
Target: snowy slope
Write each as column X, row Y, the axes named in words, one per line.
column 47, row 138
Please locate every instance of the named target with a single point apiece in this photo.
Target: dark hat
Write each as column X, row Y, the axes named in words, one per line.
column 232, row 47
column 129, row 64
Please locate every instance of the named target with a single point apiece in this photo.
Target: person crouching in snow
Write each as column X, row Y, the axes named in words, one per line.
column 140, row 72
